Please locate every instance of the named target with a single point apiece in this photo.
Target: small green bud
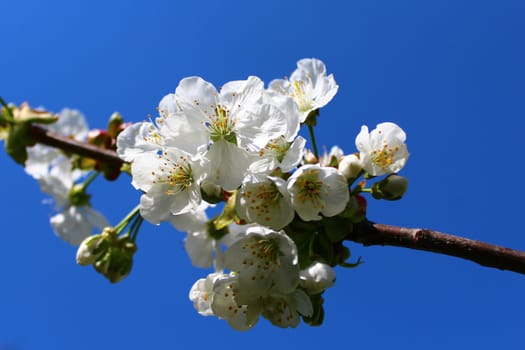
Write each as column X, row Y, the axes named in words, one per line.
column 392, row 188
column 116, row 264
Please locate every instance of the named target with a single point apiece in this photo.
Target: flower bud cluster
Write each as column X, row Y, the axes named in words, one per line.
column 110, row 255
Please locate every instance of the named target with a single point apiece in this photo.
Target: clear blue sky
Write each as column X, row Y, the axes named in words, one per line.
column 451, row 73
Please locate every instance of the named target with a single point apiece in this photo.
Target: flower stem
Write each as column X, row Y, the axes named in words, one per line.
column 89, row 180
column 121, row 225
column 135, row 227
column 312, row 138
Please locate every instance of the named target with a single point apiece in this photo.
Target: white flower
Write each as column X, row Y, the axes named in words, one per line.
column 199, row 243
column 283, row 309
column 309, row 86
column 225, row 303
column 279, row 153
column 170, row 182
column 315, row 189
column 137, row 139
column 331, row 158
column 201, row 294
column 382, row 151
column 215, row 295
column 317, row 277
column 231, row 124
column 265, row 201
column 74, row 222
column 265, row 262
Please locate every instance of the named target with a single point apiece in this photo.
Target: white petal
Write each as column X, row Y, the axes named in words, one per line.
column 199, row 247
column 228, row 164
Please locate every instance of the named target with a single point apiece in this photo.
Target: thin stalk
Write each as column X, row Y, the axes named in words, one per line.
column 312, row 138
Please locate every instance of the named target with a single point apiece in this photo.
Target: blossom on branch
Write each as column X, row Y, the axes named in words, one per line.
column 383, row 150
column 309, row 86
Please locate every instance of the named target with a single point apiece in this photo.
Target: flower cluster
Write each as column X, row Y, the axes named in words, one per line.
column 287, row 210
column 282, row 211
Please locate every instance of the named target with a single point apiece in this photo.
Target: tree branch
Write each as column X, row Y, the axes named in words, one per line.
column 369, row 233
column 366, row 233
column 49, row 138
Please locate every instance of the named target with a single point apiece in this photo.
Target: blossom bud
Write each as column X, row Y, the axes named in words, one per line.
column 117, row 262
column 115, row 124
column 310, row 158
column 393, row 187
column 91, row 249
column 316, row 278
column 350, row 166
column 211, row 193
column 99, row 138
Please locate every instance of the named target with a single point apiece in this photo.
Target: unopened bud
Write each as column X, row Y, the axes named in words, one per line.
column 99, row 138
column 116, row 264
column 316, row 278
column 392, row 188
column 310, row 158
column 114, row 124
column 91, row 249
column 350, row 166
column 211, row 193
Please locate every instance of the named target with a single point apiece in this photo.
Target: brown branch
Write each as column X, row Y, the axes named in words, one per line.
column 369, row 233
column 366, row 233
column 49, row 138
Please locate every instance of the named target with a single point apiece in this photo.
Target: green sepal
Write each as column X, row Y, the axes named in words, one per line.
column 352, row 265
column 317, row 317
column 78, row 196
column 323, row 248
column 228, row 215
column 311, row 119
column 116, row 264
column 214, row 232
column 337, row 228
column 18, row 138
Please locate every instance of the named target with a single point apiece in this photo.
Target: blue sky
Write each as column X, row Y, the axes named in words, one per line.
column 450, row 73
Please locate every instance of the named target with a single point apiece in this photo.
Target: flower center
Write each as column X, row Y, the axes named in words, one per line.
column 303, row 101
column 263, row 199
column 221, row 126
column 267, row 249
column 176, row 176
column 277, row 148
column 383, row 157
column 310, row 187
